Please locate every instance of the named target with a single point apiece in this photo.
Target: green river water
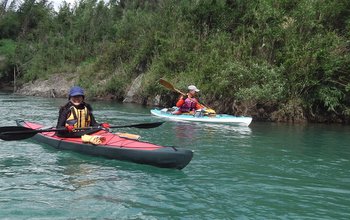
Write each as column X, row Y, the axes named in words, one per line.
column 264, row 171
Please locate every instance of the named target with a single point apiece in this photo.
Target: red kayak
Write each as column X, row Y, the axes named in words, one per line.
column 116, row 147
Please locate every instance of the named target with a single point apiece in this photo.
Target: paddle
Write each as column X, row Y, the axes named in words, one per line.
column 11, row 133
column 171, row 87
column 143, row 126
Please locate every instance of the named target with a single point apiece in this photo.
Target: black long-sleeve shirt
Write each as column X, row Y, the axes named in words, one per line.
column 65, row 112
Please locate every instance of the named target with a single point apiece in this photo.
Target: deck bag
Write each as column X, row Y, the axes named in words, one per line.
column 209, row 112
column 92, row 139
column 129, row 136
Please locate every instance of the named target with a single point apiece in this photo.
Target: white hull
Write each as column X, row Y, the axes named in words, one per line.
column 219, row 118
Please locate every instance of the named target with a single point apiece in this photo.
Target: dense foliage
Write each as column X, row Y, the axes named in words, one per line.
column 288, row 57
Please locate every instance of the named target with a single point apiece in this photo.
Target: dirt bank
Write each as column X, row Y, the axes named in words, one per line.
column 57, row 86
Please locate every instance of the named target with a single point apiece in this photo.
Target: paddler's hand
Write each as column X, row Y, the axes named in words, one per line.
column 105, row 125
column 70, row 128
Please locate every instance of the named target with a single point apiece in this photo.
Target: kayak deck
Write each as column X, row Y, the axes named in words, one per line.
column 218, row 118
column 117, row 147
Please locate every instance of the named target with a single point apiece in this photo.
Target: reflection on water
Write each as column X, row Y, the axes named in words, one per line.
column 77, row 175
column 185, row 131
column 242, row 130
column 191, row 132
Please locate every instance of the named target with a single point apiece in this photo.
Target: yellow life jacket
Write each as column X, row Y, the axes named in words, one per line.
column 81, row 116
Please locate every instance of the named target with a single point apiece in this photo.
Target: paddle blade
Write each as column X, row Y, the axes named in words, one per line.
column 144, row 126
column 13, row 133
column 148, row 125
column 14, row 129
column 9, row 136
column 166, row 84
column 170, row 86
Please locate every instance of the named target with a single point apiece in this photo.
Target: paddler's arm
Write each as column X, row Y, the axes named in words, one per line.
column 181, row 101
column 61, row 122
column 62, row 117
column 199, row 106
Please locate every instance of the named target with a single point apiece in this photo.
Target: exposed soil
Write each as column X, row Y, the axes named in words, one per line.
column 57, row 86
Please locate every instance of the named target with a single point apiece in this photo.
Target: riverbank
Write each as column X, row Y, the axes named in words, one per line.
column 58, row 85
column 6, row 86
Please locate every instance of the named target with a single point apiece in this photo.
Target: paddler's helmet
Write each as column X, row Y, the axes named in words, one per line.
column 75, row 91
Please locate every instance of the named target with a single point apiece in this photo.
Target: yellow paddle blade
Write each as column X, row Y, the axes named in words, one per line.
column 166, row 84
column 170, row 86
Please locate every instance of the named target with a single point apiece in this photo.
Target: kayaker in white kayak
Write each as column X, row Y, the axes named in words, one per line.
column 188, row 103
column 77, row 114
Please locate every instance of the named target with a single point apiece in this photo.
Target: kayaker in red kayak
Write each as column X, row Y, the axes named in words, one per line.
column 188, row 103
column 77, row 114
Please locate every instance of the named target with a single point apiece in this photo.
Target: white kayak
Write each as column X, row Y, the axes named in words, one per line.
column 218, row 118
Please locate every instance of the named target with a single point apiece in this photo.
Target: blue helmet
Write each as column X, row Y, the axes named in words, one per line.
column 75, row 91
